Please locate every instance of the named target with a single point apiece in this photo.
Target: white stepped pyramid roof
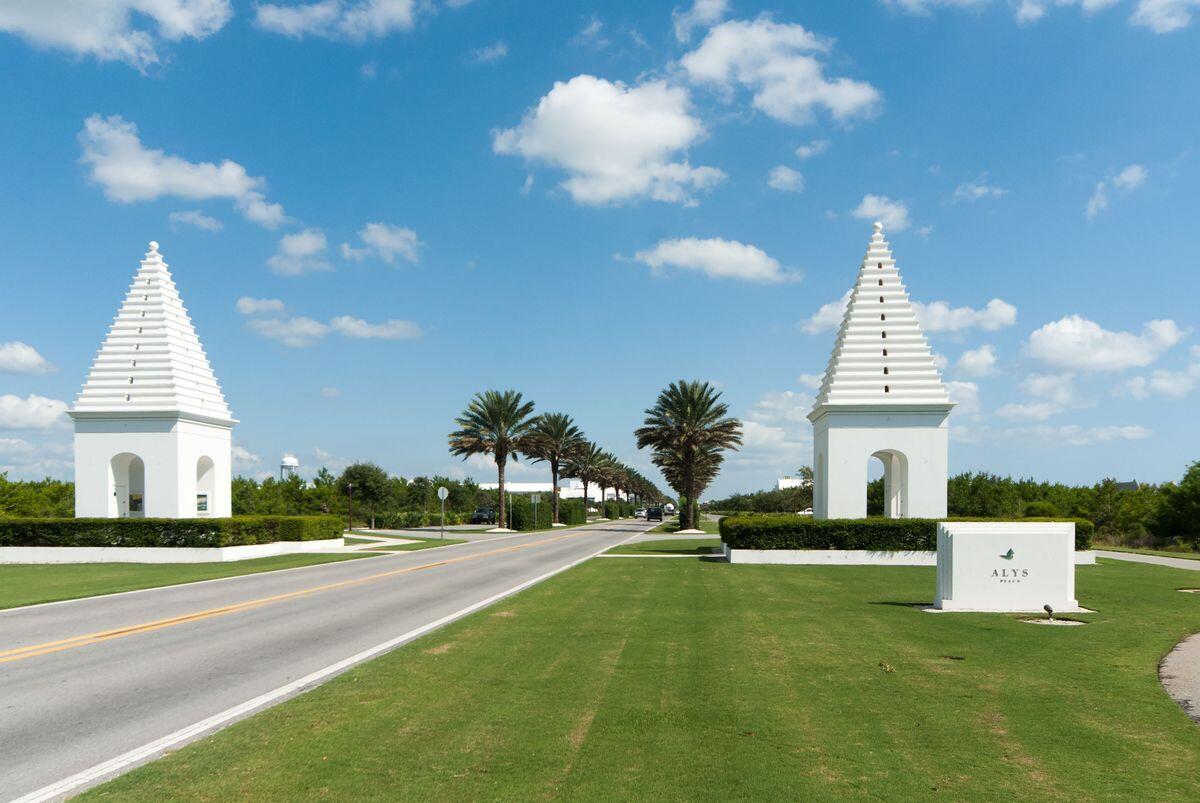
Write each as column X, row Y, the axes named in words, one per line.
column 881, row 358
column 151, row 362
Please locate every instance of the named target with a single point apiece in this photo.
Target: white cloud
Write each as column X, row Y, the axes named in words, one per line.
column 1057, row 388
column 301, row 332
column 21, row 358
column 828, row 317
column 1076, row 435
column 195, row 218
column 977, row 190
column 1026, row 11
column 130, row 172
column 33, row 412
column 255, row 306
column 1127, row 180
column 702, row 14
column 785, row 179
column 130, row 31
column 965, row 396
column 779, row 64
column 1164, row 16
column 295, row 332
column 977, row 362
column 1172, row 385
column 386, row 242
column 939, row 316
column 489, row 54
column 812, row 381
column 1029, row 411
column 892, row 214
column 940, row 361
column 592, row 34
column 243, row 457
column 716, row 258
column 299, row 253
column 615, row 142
column 1130, row 178
column 814, row 148
column 330, row 392
column 1078, row 344
column 388, row 330
column 776, row 432
column 353, row 20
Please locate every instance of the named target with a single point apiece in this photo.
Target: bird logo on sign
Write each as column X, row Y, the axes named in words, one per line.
column 1008, row 555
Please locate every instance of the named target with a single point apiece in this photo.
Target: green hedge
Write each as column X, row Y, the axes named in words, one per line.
column 406, row 519
column 874, row 534
column 572, row 512
column 236, row 531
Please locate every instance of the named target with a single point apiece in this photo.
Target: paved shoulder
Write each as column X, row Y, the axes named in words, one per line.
column 1158, row 560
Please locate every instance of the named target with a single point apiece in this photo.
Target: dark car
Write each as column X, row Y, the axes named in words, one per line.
column 484, row 515
column 654, row 514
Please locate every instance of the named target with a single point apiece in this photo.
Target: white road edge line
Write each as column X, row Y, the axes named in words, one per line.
column 139, row 755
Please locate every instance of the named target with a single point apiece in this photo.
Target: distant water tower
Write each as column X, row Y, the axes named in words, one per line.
column 289, row 466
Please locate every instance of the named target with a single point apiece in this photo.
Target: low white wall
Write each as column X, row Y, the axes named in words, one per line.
column 133, row 554
column 850, row 557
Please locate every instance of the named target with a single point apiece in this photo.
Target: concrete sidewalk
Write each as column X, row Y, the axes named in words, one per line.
column 1157, row 560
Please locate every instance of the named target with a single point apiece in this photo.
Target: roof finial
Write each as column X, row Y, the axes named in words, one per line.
column 154, row 246
column 878, row 226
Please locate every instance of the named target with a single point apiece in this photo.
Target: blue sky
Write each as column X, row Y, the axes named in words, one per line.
column 585, row 201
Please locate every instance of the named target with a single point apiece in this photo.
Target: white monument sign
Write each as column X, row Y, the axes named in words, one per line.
column 1006, row 566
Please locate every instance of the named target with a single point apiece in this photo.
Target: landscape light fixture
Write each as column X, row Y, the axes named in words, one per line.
column 1049, row 612
column 350, row 515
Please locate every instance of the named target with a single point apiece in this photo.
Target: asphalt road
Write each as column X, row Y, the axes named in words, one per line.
column 90, row 688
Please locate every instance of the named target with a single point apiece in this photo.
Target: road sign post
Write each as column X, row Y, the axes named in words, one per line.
column 443, row 492
column 534, row 499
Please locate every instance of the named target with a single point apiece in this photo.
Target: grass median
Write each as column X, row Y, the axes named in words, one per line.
column 34, row 584
column 677, row 679
column 669, row 546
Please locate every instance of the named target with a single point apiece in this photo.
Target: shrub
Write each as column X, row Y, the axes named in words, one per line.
column 572, row 512
column 522, row 513
column 1041, row 510
column 237, row 531
column 876, row 534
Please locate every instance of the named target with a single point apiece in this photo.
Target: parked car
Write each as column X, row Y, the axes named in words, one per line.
column 640, row 513
column 806, row 512
column 669, row 508
column 484, row 515
column 654, row 514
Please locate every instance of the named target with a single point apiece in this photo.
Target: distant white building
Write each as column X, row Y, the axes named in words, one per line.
column 784, row 483
column 152, row 429
column 567, row 489
column 881, row 397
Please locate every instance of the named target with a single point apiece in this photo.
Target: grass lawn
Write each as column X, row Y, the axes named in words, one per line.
column 354, row 541
column 1165, row 553
column 669, row 546
column 677, row 680
column 30, row 585
column 424, row 543
column 707, row 525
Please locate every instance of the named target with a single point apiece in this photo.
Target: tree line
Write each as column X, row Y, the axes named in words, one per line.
column 503, row 425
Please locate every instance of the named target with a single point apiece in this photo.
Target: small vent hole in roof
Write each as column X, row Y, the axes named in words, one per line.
column 887, row 389
column 880, row 266
column 885, row 352
column 883, row 335
column 885, row 370
column 882, row 317
column 881, row 282
column 881, row 299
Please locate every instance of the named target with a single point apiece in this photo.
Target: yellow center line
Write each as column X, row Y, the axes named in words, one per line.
column 34, row 650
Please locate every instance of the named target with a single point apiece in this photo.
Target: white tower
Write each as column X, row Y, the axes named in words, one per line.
column 881, row 397
column 152, row 429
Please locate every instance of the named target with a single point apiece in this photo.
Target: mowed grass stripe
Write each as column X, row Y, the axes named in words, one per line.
column 698, row 680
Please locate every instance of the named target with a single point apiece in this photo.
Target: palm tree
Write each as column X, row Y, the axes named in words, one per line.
column 585, row 464
column 554, row 438
column 494, row 423
column 606, row 477
column 687, row 428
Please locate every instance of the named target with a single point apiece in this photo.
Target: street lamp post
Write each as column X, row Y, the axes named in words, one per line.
column 350, row 516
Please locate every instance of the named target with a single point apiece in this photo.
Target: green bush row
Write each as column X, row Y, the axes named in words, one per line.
column 874, row 534
column 236, row 531
column 406, row 519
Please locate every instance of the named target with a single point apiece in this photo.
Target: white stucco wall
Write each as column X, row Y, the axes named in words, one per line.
column 843, row 445
column 169, row 447
column 120, row 554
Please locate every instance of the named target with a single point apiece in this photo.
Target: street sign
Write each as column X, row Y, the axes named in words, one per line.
column 443, row 492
